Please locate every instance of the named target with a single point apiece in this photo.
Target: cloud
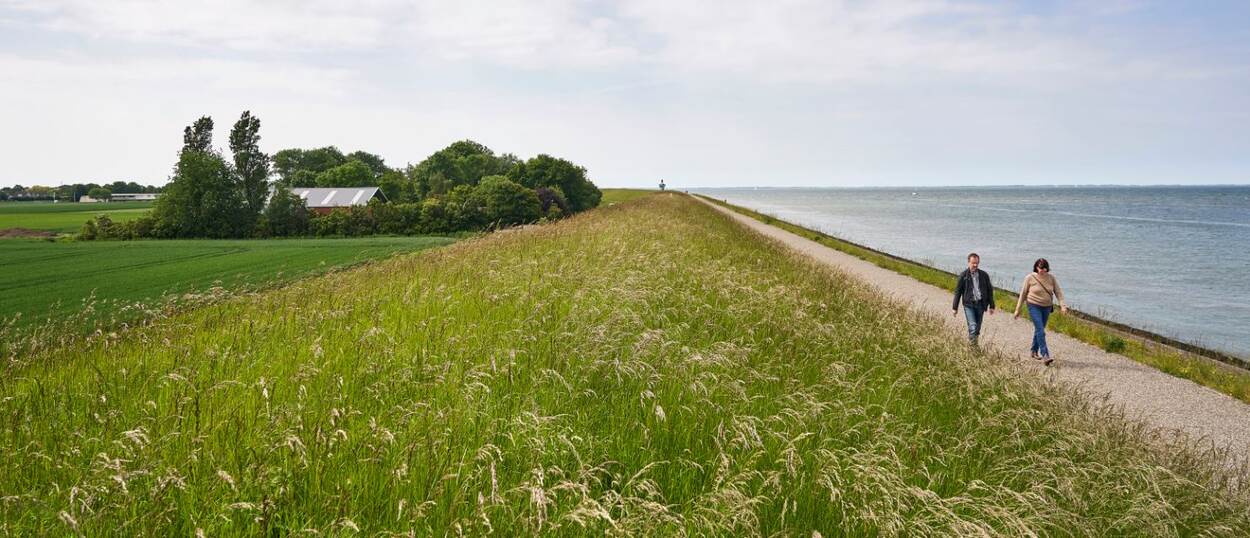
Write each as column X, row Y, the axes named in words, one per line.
column 83, row 76
column 520, row 33
column 790, row 41
column 836, row 42
column 724, row 91
column 232, row 24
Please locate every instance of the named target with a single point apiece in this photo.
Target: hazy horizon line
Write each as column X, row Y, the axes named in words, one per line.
column 964, row 186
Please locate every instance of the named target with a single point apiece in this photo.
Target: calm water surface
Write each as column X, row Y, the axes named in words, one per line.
column 1173, row 260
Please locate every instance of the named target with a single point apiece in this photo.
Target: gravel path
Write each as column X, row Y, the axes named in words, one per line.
column 1160, row 400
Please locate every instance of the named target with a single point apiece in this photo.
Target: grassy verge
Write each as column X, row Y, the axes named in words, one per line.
column 1204, row 370
column 82, row 284
column 616, row 196
column 65, row 217
column 649, row 368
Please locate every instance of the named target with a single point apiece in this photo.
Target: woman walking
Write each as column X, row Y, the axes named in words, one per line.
column 1039, row 287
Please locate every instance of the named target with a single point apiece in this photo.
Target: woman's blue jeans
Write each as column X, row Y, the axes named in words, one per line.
column 1040, row 315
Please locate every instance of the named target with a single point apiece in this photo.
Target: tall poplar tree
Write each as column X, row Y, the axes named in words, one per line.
column 203, row 198
column 199, row 135
column 250, row 163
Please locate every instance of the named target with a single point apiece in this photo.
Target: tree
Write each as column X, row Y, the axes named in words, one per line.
column 393, row 218
column 250, row 163
column 131, row 187
column 350, row 174
column 396, row 187
column 462, row 163
column 40, row 192
column 286, row 214
column 203, row 198
column 554, row 205
column 300, row 178
column 298, row 167
column 199, row 135
column 73, row 192
column 506, row 203
column 547, row 171
column 464, row 209
column 336, row 222
column 100, row 193
column 374, row 162
column 434, row 217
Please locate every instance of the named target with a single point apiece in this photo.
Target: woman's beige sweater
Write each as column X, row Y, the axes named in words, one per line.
column 1034, row 292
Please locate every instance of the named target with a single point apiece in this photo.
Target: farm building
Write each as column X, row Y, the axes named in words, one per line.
column 121, row 197
column 325, row 200
column 135, row 197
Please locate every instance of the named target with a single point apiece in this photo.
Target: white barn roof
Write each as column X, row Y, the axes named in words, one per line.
column 122, row 196
column 336, row 196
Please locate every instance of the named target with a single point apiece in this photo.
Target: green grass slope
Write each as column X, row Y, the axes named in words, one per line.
column 617, row 196
column 65, row 217
column 649, row 368
column 99, row 280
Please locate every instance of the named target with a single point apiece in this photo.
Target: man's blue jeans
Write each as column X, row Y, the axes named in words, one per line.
column 975, row 315
column 1040, row 315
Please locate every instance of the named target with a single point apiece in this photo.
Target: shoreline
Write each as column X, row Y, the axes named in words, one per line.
column 1214, row 370
column 1225, row 358
column 1174, row 406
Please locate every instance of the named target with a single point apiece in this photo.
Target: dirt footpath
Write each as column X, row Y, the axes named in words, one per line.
column 1158, row 399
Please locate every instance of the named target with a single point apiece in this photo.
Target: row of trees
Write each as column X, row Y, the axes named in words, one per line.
column 463, row 187
column 463, row 163
column 329, row 167
column 73, row 192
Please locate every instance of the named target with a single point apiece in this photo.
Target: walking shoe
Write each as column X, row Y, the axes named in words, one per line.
column 1047, row 360
column 1034, row 355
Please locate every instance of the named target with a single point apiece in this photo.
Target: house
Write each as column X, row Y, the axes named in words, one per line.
column 325, row 200
column 84, row 199
column 135, row 197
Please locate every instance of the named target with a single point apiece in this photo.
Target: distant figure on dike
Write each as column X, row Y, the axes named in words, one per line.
column 661, row 184
column 1039, row 287
column 977, row 295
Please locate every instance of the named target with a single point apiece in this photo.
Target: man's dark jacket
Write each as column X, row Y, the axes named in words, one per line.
column 964, row 290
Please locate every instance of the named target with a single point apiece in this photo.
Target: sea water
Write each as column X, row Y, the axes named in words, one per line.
column 1171, row 260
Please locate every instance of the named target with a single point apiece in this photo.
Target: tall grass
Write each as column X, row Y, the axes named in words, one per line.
column 649, row 368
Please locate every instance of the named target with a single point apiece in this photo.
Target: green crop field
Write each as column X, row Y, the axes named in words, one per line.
column 649, row 368
column 42, row 279
column 65, row 217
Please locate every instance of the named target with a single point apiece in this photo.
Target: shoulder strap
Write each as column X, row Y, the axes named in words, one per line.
column 1039, row 283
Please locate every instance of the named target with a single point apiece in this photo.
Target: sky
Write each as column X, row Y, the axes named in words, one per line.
column 700, row 93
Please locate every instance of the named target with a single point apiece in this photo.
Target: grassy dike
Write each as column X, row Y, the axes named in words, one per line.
column 1212, row 370
column 645, row 368
column 616, row 196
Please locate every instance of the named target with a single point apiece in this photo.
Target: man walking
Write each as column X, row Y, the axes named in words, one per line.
column 976, row 293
